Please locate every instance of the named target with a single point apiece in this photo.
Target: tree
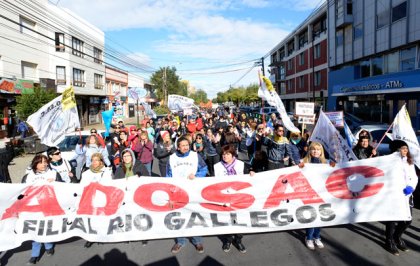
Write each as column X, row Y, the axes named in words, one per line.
column 27, row 104
column 166, row 77
column 239, row 95
column 200, row 96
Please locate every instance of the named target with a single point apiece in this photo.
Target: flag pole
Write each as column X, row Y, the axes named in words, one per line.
column 383, row 137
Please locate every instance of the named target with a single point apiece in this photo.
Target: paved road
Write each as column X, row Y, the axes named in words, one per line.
column 358, row 244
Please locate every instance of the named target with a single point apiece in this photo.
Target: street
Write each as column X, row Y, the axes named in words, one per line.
column 358, row 244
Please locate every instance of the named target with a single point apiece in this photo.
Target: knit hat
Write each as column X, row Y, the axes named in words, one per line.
column 163, row 133
column 396, row 144
column 133, row 128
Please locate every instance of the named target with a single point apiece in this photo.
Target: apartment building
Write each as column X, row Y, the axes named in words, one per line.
column 374, row 58
column 52, row 48
column 299, row 63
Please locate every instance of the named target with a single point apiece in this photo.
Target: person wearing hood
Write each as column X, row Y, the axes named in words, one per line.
column 164, row 148
column 363, row 150
column 40, row 173
column 130, row 166
column 186, row 164
column 395, row 229
column 61, row 165
column 92, row 146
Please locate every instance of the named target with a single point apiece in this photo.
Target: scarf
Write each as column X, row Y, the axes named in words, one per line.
column 129, row 169
column 315, row 160
column 97, row 169
column 230, row 168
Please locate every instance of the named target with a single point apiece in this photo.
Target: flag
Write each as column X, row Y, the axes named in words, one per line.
column 351, row 139
column 68, row 100
column 326, row 134
column 402, row 130
column 54, row 120
column 148, row 110
column 179, row 103
column 107, row 117
column 268, row 93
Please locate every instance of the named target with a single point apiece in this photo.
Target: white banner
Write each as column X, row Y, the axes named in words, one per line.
column 402, row 130
column 148, row 109
column 336, row 118
column 267, row 92
column 309, row 120
column 316, row 195
column 51, row 122
column 179, row 103
column 305, row 108
column 326, row 134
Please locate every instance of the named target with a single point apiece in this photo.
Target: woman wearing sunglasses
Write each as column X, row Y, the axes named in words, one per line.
column 61, row 165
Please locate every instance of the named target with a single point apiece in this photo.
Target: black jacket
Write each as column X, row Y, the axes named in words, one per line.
column 138, row 169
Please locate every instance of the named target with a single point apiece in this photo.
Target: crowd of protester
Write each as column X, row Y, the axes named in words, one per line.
column 213, row 144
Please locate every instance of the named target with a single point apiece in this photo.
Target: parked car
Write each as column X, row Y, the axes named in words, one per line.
column 377, row 131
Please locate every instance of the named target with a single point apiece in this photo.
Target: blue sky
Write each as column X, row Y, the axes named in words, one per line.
column 212, row 43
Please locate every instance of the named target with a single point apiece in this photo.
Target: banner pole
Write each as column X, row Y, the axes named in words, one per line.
column 383, row 137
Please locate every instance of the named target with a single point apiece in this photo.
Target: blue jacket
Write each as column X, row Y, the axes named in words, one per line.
column 297, row 152
column 277, row 151
column 201, row 169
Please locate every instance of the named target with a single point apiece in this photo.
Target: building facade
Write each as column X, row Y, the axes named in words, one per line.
column 374, row 58
column 116, row 88
column 299, row 63
column 52, row 48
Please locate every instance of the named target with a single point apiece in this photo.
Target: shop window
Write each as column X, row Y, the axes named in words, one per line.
column 392, row 62
column 61, row 75
column 408, row 59
column 377, row 66
column 382, row 19
column 365, row 69
column 399, row 11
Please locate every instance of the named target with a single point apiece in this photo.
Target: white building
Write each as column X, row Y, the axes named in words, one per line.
column 43, row 44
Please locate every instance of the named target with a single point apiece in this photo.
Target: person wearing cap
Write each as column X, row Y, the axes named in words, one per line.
column 164, row 148
column 61, row 165
column 363, row 150
column 186, row 164
column 395, row 229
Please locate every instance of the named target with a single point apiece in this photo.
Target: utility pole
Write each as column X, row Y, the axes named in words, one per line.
column 165, row 97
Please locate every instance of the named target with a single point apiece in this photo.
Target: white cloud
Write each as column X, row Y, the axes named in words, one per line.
column 300, row 5
column 256, row 3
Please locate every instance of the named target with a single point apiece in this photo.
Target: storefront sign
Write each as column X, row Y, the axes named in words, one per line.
column 19, row 86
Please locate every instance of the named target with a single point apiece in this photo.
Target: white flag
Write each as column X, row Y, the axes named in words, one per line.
column 326, row 134
column 179, row 103
column 147, row 109
column 402, row 130
column 51, row 122
column 267, row 92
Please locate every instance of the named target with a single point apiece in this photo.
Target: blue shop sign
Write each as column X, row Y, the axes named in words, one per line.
column 395, row 83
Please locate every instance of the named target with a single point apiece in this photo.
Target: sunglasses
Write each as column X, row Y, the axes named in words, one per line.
column 198, row 138
column 261, row 129
column 92, row 132
column 117, row 128
column 57, row 153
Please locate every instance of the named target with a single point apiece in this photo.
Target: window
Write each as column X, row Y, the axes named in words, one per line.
column 97, row 55
column 290, row 47
column 377, row 66
column 282, row 53
column 282, row 72
column 290, row 84
column 301, row 59
column 339, row 38
column 59, row 42
column 61, row 75
column 290, row 64
column 365, row 69
column 78, row 77
column 27, row 26
column 29, row 70
column 77, row 46
column 399, row 12
column 317, row 49
column 349, row 7
column 301, row 81
column 317, row 78
column 358, row 31
column 382, row 19
column 339, row 8
column 303, row 39
column 392, row 62
column 408, row 59
column 98, row 81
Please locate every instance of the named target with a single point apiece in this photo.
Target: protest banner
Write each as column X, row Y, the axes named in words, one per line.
column 316, row 195
column 179, row 103
column 305, row 109
column 336, row 118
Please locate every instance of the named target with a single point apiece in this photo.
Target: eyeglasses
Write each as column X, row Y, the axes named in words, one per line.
column 260, row 129
column 198, row 138
column 280, row 130
column 93, row 132
column 57, row 153
column 117, row 128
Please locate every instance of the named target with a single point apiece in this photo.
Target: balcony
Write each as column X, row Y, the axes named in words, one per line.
column 99, row 86
column 61, row 82
column 79, row 83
